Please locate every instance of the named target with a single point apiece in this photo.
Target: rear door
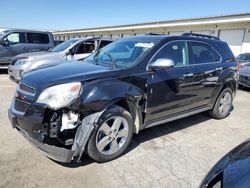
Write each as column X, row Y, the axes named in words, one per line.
column 170, row 92
column 207, row 69
column 15, row 45
column 37, row 42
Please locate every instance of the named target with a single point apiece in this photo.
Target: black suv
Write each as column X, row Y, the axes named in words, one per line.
column 96, row 105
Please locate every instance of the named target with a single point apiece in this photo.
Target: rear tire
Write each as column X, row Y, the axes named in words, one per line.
column 112, row 136
column 223, row 104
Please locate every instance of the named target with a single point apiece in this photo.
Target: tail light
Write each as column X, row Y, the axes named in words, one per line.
column 238, row 67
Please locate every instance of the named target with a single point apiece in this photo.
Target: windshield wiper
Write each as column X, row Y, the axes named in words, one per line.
column 112, row 59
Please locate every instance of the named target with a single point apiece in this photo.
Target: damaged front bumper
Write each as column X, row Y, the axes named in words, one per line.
column 30, row 127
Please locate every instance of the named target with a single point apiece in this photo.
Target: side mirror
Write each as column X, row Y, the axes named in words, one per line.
column 161, row 64
column 3, row 42
column 70, row 52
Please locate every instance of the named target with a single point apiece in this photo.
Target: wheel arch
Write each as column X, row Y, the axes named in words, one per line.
column 134, row 107
column 229, row 83
column 102, row 95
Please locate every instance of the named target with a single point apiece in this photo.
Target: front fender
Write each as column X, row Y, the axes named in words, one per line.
column 98, row 95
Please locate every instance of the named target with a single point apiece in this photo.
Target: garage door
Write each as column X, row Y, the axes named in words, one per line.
column 127, row 35
column 176, row 33
column 115, row 36
column 204, row 32
column 234, row 38
column 138, row 34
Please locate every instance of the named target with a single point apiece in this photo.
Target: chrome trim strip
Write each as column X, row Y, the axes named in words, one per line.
column 177, row 117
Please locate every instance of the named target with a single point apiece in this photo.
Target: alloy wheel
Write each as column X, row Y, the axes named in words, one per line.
column 112, row 135
column 225, row 103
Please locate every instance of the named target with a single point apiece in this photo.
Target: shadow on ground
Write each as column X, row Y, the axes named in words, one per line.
column 243, row 88
column 149, row 134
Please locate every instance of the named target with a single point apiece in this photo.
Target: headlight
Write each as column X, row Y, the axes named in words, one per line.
column 21, row 61
column 60, row 95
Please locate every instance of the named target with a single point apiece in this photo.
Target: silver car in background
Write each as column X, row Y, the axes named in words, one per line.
column 74, row 49
column 17, row 41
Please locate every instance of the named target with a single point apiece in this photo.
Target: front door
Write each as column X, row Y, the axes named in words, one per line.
column 169, row 91
column 14, row 45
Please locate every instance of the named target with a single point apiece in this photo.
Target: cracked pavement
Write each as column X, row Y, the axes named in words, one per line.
column 176, row 154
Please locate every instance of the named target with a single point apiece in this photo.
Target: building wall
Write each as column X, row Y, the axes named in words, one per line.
column 236, row 34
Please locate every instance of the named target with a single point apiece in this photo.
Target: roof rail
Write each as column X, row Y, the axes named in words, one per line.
column 200, row 35
column 150, row 33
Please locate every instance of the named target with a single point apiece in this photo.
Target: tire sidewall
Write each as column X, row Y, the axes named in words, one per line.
column 215, row 112
column 92, row 150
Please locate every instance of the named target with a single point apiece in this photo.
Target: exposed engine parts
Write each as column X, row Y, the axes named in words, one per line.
column 69, row 121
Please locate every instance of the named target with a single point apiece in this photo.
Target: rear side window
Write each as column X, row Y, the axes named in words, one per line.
column 202, row 53
column 37, row 38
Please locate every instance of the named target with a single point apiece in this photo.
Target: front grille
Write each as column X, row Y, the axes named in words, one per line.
column 27, row 89
column 20, row 105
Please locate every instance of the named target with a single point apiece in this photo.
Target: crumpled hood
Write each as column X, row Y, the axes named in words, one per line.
column 72, row 71
column 245, row 71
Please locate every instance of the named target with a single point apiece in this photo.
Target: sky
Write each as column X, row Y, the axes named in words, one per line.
column 78, row 14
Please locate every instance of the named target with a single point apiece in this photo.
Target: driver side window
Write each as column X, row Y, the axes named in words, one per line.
column 176, row 51
column 85, row 47
column 15, row 38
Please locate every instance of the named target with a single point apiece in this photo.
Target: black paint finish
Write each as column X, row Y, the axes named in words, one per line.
column 151, row 95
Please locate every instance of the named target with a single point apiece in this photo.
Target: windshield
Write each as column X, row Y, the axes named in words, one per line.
column 123, row 53
column 243, row 57
column 64, row 45
column 3, row 32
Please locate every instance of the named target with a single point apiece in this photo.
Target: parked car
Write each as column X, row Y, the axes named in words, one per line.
column 243, row 59
column 232, row 171
column 66, row 51
column 57, row 42
column 129, row 85
column 245, row 76
column 15, row 41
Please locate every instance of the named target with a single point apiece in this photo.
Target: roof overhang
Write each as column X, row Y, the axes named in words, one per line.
column 237, row 18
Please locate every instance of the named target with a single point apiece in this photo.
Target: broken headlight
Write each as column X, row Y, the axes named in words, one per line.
column 60, row 95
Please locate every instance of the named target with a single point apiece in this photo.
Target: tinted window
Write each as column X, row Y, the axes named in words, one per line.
column 37, row 38
column 15, row 38
column 104, row 43
column 202, row 53
column 85, row 47
column 176, row 51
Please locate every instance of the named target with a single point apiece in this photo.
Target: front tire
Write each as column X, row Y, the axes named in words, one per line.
column 112, row 136
column 223, row 104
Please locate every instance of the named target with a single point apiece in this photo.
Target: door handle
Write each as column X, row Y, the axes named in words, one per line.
column 188, row 75
column 219, row 69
